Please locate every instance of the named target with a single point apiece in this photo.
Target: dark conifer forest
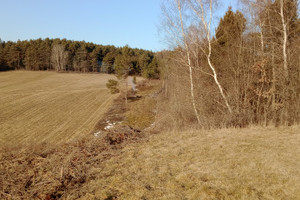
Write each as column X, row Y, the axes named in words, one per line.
column 77, row 56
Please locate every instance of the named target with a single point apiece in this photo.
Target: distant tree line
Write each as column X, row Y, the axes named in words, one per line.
column 246, row 71
column 77, row 56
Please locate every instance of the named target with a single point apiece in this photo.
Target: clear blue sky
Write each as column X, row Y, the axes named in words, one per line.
column 107, row 22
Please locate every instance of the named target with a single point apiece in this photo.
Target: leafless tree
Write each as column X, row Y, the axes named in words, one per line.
column 249, row 70
column 176, row 32
column 197, row 6
column 59, row 57
column 186, row 46
column 284, row 43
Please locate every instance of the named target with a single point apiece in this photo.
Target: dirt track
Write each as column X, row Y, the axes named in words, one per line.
column 50, row 107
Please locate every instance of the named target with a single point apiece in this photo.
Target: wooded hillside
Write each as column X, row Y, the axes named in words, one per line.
column 67, row 55
column 246, row 71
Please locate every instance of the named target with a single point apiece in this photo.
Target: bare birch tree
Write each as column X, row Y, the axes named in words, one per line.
column 247, row 69
column 189, row 29
column 285, row 35
column 177, row 31
column 197, row 6
column 188, row 61
column 59, row 57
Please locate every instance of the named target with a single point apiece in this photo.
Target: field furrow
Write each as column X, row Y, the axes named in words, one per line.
column 50, row 107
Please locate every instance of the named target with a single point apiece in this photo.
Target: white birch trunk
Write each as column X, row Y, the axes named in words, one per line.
column 216, row 79
column 284, row 44
column 189, row 65
column 215, row 75
column 261, row 37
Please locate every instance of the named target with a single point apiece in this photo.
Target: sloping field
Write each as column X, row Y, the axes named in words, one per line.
column 252, row 163
column 50, row 107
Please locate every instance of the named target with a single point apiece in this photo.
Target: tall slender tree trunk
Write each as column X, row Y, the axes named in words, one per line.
column 217, row 81
column 207, row 28
column 261, row 38
column 126, row 90
column 238, row 81
column 192, row 89
column 284, row 44
column 189, row 64
column 259, row 105
column 285, row 63
column 207, row 32
column 273, row 86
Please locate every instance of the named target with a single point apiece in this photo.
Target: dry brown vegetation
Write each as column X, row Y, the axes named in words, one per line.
column 124, row 163
column 245, row 75
column 58, row 171
column 53, row 171
column 37, row 107
column 253, row 163
column 240, row 70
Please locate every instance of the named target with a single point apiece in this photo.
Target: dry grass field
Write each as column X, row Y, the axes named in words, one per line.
column 252, row 163
column 50, row 107
column 249, row 163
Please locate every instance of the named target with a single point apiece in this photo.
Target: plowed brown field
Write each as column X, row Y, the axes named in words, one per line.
column 50, row 107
